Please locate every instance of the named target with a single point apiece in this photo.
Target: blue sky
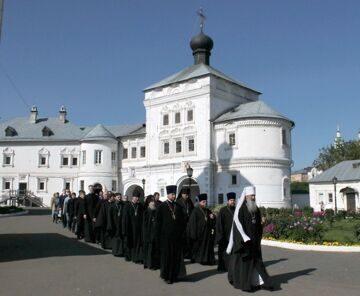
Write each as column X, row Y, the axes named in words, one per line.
column 96, row 57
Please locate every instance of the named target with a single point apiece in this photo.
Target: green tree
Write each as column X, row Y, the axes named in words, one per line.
column 331, row 155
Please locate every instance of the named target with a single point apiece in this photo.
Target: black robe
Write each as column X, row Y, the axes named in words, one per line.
column 201, row 231
column 80, row 221
column 169, row 232
column 132, row 231
column 90, row 205
column 151, row 248
column 187, row 207
column 104, row 226
column 246, row 262
column 118, row 239
column 70, row 210
column 224, row 222
column 74, row 214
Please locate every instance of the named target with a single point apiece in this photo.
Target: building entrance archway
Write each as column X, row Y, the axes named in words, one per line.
column 135, row 188
column 193, row 185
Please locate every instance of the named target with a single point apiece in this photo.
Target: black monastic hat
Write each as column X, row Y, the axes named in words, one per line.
column 231, row 195
column 202, row 196
column 171, row 189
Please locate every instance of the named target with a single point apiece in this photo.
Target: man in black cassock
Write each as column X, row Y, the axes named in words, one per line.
column 157, row 199
column 150, row 242
column 187, row 207
column 132, row 229
column 224, row 222
column 201, row 231
column 118, row 212
column 90, row 205
column 246, row 268
column 104, row 222
column 79, row 213
column 170, row 226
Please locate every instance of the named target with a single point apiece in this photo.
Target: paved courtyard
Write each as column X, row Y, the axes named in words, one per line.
column 38, row 257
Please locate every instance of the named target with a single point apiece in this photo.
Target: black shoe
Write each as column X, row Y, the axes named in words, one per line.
column 169, row 282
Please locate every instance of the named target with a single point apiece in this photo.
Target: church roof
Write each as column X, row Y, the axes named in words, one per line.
column 348, row 170
column 194, row 71
column 257, row 109
column 26, row 131
column 99, row 132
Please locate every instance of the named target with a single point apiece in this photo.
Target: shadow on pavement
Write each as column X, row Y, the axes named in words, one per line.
column 15, row 247
column 39, row 211
column 284, row 278
column 271, row 262
column 201, row 275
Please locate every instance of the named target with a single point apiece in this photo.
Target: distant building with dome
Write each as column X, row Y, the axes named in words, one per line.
column 203, row 130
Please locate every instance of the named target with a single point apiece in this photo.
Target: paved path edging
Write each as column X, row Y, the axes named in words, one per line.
column 14, row 214
column 302, row 247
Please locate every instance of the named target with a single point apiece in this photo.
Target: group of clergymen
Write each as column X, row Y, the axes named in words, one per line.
column 160, row 235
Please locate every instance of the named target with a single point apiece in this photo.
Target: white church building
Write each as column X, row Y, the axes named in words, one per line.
column 203, row 129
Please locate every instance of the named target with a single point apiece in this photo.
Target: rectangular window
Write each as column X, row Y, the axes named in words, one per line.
column 98, row 157
column 166, row 148
column 82, row 185
column 330, row 197
column 67, row 185
column 113, row 185
column 41, row 185
column 42, row 160
column 162, row 192
column 7, row 185
column 283, row 136
column 178, row 146
column 166, row 119
column 232, row 139
column 177, row 117
column 113, row 156
column 7, row 160
column 74, row 161
column 233, row 179
column 220, row 198
column 125, row 153
column 190, row 115
column 142, row 151
column 191, row 145
column 133, row 152
column 84, row 157
column 65, row 161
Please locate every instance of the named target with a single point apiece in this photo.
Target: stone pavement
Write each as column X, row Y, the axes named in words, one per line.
column 38, row 257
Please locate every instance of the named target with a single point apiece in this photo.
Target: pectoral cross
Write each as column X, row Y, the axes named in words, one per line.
column 202, row 18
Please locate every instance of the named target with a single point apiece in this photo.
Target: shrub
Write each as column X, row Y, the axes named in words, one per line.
column 308, row 211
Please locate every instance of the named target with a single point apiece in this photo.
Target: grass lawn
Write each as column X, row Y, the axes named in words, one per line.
column 10, row 210
column 342, row 231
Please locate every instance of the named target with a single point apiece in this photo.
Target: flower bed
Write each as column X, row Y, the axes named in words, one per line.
column 309, row 227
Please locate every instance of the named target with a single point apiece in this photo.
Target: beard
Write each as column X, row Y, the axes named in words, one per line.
column 251, row 206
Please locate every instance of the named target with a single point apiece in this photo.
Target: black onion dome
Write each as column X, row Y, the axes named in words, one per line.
column 201, row 41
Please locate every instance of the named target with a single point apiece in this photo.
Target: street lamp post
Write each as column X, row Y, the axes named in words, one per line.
column 189, row 172
column 335, row 180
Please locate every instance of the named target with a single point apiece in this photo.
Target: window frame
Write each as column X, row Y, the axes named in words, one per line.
column 98, row 157
column 192, row 115
column 142, row 149
column 167, row 119
column 125, row 153
column 133, row 149
column 177, row 117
